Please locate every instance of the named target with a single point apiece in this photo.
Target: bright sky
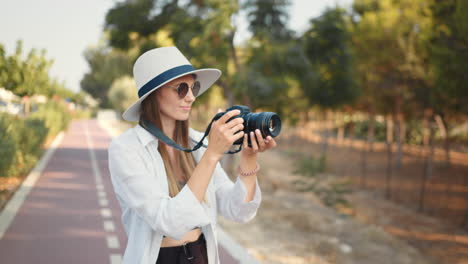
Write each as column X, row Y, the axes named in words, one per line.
column 66, row 28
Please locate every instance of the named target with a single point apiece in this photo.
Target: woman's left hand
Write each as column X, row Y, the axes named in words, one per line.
column 259, row 144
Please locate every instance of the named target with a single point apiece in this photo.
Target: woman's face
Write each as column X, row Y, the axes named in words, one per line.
column 170, row 105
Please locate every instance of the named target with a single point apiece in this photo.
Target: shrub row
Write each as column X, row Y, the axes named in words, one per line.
column 21, row 139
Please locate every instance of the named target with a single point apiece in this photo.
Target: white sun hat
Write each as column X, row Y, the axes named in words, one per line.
column 159, row 66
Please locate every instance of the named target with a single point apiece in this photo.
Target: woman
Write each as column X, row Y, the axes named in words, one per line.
column 169, row 198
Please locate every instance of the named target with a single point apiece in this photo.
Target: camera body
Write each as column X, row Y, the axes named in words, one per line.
column 269, row 123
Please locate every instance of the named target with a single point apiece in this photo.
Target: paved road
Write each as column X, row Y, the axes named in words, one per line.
column 71, row 215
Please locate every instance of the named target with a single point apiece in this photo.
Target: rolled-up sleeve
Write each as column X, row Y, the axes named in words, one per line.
column 231, row 197
column 134, row 185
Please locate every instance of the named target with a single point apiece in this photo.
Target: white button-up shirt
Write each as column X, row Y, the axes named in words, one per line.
column 148, row 212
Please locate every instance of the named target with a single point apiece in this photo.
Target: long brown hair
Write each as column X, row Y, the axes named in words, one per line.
column 150, row 111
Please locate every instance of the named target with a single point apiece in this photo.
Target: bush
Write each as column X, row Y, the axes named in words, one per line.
column 329, row 190
column 122, row 93
column 7, row 144
column 310, row 166
column 361, row 128
column 55, row 117
column 21, row 139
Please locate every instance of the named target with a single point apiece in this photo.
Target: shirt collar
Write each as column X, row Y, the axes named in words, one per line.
column 144, row 136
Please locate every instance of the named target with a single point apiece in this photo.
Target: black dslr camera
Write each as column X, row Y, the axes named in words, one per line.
column 268, row 123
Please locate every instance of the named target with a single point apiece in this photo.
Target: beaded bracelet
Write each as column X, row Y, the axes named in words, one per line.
column 248, row 173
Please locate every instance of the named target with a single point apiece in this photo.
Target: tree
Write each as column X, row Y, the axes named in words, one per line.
column 25, row 76
column 106, row 65
column 389, row 41
column 268, row 18
column 29, row 75
column 448, row 56
column 274, row 60
column 327, row 47
column 203, row 30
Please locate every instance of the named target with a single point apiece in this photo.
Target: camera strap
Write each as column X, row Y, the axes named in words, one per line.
column 155, row 131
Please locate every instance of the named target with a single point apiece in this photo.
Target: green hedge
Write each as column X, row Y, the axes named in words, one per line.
column 21, row 139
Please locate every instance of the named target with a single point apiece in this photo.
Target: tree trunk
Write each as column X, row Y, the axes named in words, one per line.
column 371, row 132
column 227, row 161
column 305, row 117
column 403, row 134
column 341, row 129
column 325, row 133
column 428, row 136
column 233, row 49
column 340, row 134
column 351, row 133
column 366, row 149
column 227, row 92
column 399, row 122
column 443, row 131
column 364, row 164
column 389, row 142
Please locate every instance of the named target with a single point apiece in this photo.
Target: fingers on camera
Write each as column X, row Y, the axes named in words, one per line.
column 228, row 115
column 260, row 139
column 253, row 141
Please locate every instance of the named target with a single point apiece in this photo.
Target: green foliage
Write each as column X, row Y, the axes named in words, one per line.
column 334, row 194
column 25, row 76
column 20, row 145
column 268, row 78
column 383, row 56
column 204, row 32
column 310, row 166
column 54, row 115
column 29, row 75
column 105, row 66
column 389, row 42
column 122, row 93
column 128, row 17
column 268, row 18
column 361, row 129
column 449, row 54
column 7, row 144
column 327, row 46
column 21, row 139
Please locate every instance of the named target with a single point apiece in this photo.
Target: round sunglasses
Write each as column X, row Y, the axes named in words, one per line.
column 183, row 88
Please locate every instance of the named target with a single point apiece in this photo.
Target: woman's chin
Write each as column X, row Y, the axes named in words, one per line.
column 183, row 117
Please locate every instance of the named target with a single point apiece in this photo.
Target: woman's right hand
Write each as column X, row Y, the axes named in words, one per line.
column 222, row 135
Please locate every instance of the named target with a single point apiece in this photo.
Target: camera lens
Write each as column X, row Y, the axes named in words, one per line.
column 274, row 125
column 268, row 123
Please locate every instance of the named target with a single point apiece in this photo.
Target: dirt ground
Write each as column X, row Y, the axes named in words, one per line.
column 294, row 227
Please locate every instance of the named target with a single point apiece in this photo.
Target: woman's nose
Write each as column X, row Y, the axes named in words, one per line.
column 189, row 97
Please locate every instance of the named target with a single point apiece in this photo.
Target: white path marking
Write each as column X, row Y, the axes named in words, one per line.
column 109, row 226
column 115, row 259
column 103, row 202
column 101, row 194
column 106, row 212
column 112, row 241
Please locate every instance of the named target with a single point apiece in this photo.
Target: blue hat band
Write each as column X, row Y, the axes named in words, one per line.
column 163, row 77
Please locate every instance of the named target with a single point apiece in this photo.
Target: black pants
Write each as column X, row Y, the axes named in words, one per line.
column 192, row 253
